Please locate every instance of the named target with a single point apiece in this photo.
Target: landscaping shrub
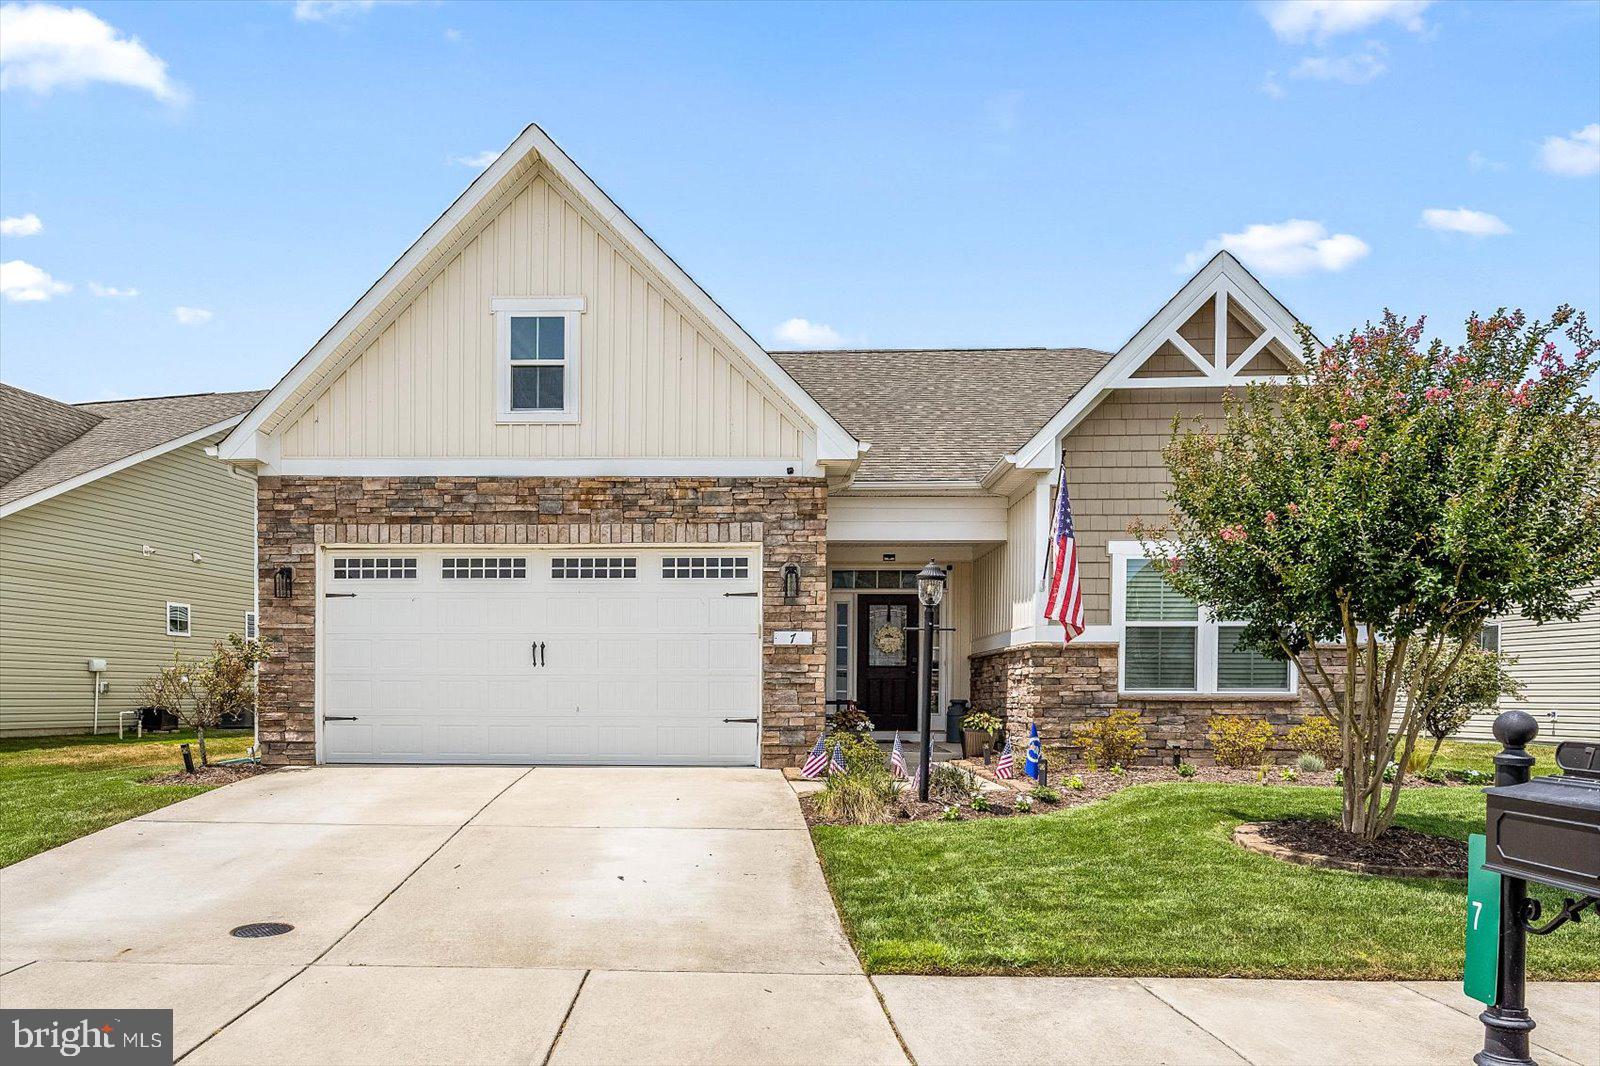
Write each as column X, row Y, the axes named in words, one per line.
column 859, row 799
column 851, row 719
column 1479, row 680
column 1045, row 794
column 1317, row 736
column 864, row 792
column 953, row 784
column 1310, row 764
column 1115, row 740
column 1238, row 741
column 861, row 753
column 1185, row 769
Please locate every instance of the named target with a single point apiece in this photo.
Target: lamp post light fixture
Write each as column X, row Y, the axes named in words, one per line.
column 930, row 593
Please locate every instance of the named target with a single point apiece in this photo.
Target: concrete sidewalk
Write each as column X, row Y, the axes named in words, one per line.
column 507, row 915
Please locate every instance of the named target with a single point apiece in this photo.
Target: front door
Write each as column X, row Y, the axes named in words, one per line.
column 886, row 660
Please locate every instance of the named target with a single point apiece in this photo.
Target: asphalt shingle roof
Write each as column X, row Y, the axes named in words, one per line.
column 941, row 415
column 85, row 437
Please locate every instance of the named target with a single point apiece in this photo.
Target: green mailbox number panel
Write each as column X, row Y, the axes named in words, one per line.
column 1483, row 925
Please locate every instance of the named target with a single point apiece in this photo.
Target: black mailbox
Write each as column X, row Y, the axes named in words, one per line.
column 1547, row 830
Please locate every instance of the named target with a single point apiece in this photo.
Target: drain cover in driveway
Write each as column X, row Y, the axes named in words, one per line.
column 260, row 929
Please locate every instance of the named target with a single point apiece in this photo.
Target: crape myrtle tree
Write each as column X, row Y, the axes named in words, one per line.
column 1381, row 506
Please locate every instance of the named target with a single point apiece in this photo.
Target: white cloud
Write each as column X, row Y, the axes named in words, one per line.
column 1297, row 246
column 330, row 10
column 1271, row 87
column 799, row 333
column 1464, row 220
column 44, row 47
column 24, row 283
column 20, row 225
column 477, row 160
column 191, row 316
column 1297, row 21
column 1476, row 160
column 1357, row 68
column 111, row 291
column 453, row 35
column 1576, row 156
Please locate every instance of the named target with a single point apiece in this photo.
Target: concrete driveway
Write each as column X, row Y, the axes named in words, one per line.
column 506, row 915
column 456, row 914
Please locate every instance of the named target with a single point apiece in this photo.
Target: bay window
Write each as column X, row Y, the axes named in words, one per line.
column 1171, row 645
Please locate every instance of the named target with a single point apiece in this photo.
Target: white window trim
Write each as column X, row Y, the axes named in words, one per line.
column 252, row 625
column 568, row 308
column 1205, row 641
column 188, row 616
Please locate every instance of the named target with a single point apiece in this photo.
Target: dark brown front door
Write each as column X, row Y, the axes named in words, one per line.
column 886, row 660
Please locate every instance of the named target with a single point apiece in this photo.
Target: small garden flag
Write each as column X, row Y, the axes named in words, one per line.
column 1005, row 768
column 1030, row 764
column 897, row 760
column 837, row 766
column 817, row 761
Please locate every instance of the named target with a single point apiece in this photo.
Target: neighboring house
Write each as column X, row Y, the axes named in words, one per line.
column 537, row 498
column 121, row 540
column 1558, row 664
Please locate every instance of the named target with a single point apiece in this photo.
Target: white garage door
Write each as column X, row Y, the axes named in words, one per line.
column 591, row 655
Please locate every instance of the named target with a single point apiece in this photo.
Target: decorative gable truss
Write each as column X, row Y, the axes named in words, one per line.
column 1216, row 338
column 1222, row 328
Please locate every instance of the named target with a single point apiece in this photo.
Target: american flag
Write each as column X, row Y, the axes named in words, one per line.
column 1064, row 603
column 897, row 761
column 817, row 761
column 837, row 766
column 1005, row 768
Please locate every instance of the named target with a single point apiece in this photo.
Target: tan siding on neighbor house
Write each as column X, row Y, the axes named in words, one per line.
column 655, row 379
column 1558, row 664
column 1115, row 474
column 1006, row 579
column 74, row 584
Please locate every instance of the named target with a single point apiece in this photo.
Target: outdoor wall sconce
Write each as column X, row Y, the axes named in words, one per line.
column 283, row 583
column 791, row 582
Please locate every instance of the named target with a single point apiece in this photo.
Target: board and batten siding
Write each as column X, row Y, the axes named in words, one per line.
column 75, row 585
column 1558, row 664
column 1006, row 579
column 1115, row 474
column 656, row 380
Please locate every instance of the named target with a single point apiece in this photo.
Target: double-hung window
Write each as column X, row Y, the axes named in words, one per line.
column 538, row 345
column 1170, row 644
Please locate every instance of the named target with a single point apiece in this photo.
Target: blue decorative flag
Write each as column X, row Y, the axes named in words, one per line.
column 1030, row 765
column 817, row 762
column 837, row 767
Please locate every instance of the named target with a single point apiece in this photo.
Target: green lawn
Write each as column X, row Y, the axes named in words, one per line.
column 56, row 789
column 1479, row 755
column 1148, row 882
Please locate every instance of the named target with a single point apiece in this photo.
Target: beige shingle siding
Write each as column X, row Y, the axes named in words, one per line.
column 1115, row 474
column 74, row 584
column 1558, row 664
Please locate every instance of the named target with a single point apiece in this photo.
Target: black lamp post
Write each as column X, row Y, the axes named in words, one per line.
column 930, row 592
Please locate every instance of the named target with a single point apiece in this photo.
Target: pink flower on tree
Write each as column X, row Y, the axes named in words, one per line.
column 1234, row 534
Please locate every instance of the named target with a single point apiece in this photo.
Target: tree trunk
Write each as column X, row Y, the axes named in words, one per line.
column 200, row 735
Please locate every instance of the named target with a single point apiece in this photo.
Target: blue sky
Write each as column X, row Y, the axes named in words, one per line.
column 892, row 175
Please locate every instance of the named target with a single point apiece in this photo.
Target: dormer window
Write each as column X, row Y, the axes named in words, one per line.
column 537, row 352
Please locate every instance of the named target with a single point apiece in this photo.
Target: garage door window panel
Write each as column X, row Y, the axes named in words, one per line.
column 374, row 568
column 710, row 567
column 588, row 568
column 484, row 568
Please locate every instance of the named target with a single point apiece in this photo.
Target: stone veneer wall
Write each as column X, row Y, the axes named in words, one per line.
column 787, row 516
column 1059, row 685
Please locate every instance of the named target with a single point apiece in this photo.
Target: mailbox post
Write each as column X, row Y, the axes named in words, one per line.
column 1546, row 831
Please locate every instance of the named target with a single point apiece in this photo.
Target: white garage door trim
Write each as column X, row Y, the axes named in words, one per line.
column 724, row 743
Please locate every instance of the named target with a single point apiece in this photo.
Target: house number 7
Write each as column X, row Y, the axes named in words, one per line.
column 1477, row 911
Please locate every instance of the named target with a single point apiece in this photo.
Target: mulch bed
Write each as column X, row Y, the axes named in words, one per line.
column 210, row 775
column 1098, row 784
column 1399, row 852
